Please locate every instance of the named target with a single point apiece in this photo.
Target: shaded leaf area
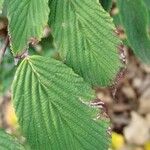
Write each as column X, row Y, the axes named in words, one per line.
column 85, row 39
column 107, row 4
column 147, row 4
column 4, row 8
column 52, row 107
column 7, row 142
column 7, row 71
column 27, row 20
column 134, row 17
column 44, row 48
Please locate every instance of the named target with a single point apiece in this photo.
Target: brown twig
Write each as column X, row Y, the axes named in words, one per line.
column 3, row 49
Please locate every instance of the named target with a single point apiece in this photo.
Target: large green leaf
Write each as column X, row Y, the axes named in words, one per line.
column 83, row 33
column 52, row 106
column 134, row 17
column 7, row 142
column 27, row 19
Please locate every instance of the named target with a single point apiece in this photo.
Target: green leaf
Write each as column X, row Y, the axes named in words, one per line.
column 7, row 142
column 27, row 19
column 107, row 4
column 4, row 8
column 134, row 17
column 1, row 5
column 83, row 33
column 52, row 106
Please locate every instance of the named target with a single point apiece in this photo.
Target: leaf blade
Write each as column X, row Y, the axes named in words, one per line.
column 27, row 20
column 8, row 142
column 134, row 17
column 83, row 33
column 50, row 110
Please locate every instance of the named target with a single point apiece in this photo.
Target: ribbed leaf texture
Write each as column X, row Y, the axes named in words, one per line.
column 49, row 100
column 27, row 19
column 7, row 142
column 134, row 17
column 83, row 32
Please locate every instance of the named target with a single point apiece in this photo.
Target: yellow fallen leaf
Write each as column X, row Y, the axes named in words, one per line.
column 117, row 141
column 147, row 146
column 10, row 116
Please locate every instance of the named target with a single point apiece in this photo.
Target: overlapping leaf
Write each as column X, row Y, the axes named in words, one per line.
column 134, row 17
column 8, row 142
column 83, row 32
column 49, row 100
column 27, row 19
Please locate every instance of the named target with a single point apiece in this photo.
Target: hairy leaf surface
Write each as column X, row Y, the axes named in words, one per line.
column 7, row 142
column 49, row 100
column 83, row 33
column 27, row 19
column 134, row 17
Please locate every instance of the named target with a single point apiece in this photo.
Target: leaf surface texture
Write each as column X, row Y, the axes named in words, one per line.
column 7, row 142
column 83, row 33
column 27, row 19
column 52, row 105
